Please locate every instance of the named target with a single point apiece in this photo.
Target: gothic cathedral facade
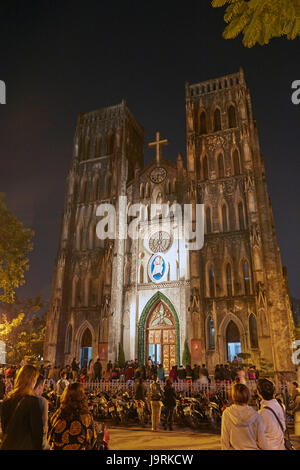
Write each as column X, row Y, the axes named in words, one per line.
column 151, row 294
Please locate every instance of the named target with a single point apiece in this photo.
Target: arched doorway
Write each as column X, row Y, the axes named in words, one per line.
column 233, row 341
column 86, row 348
column 161, row 336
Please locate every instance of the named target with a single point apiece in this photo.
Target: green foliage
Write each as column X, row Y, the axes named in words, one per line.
column 121, row 356
column 23, row 333
column 186, row 355
column 15, row 243
column 260, row 20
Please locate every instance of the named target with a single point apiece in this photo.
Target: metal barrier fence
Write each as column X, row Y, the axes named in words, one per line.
column 186, row 387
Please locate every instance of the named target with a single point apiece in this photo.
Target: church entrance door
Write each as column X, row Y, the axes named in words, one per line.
column 86, row 348
column 233, row 341
column 161, row 336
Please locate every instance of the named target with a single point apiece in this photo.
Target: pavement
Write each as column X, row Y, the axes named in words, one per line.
column 138, row 438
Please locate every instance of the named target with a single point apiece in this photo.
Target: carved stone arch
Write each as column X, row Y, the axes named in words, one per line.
column 224, row 218
column 220, row 163
column 240, row 213
column 222, row 329
column 158, row 296
column 232, row 117
column 236, row 164
column 79, row 334
column 228, row 261
column 203, row 127
column 208, row 218
column 253, row 330
column 217, row 118
column 242, row 275
column 210, row 279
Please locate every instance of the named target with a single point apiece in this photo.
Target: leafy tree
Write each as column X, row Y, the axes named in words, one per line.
column 186, row 355
column 15, row 243
column 260, row 20
column 23, row 330
column 121, row 356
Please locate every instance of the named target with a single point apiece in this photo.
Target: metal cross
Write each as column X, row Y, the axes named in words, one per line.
column 158, row 143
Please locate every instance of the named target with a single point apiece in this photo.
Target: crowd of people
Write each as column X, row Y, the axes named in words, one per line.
column 24, row 410
column 24, row 416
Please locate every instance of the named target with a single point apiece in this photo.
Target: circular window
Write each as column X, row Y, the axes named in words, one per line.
column 160, row 242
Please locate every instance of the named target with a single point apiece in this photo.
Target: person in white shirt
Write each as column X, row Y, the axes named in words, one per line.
column 242, row 427
column 60, row 387
column 273, row 432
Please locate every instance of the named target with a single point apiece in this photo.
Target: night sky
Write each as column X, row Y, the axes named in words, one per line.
column 59, row 58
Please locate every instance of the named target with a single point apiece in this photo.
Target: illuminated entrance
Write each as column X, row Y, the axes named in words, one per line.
column 233, row 341
column 161, row 336
column 159, row 332
column 86, row 348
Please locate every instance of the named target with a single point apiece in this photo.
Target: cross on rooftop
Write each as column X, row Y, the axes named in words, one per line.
column 158, row 143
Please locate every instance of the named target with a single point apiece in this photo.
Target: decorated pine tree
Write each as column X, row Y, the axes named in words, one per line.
column 186, row 355
column 121, row 356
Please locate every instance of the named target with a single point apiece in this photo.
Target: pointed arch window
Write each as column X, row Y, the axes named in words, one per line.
column 208, row 220
column 253, row 331
column 211, row 333
column 232, row 116
column 246, row 275
column 203, row 124
column 228, row 280
column 217, row 120
column 236, row 163
column 211, row 281
column 205, row 168
column 241, row 216
column 224, row 218
column 221, row 172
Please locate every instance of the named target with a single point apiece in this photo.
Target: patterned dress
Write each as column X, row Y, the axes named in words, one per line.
column 76, row 434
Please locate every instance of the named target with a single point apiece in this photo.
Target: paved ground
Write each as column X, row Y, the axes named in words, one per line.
column 137, row 438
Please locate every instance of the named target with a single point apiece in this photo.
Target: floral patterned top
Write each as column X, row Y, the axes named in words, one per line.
column 76, row 434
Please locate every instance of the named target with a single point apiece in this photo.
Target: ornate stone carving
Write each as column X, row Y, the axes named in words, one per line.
column 249, row 182
column 261, row 295
column 195, row 299
column 255, row 235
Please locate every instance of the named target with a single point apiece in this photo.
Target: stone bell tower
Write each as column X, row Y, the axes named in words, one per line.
column 108, row 143
column 242, row 299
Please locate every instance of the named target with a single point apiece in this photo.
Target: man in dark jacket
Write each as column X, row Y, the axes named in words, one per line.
column 169, row 402
column 97, row 370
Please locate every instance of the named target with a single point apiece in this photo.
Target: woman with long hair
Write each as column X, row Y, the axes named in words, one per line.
column 21, row 414
column 72, row 426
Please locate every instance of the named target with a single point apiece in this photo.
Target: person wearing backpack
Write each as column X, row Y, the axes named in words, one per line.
column 156, row 403
column 272, row 415
column 21, row 414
